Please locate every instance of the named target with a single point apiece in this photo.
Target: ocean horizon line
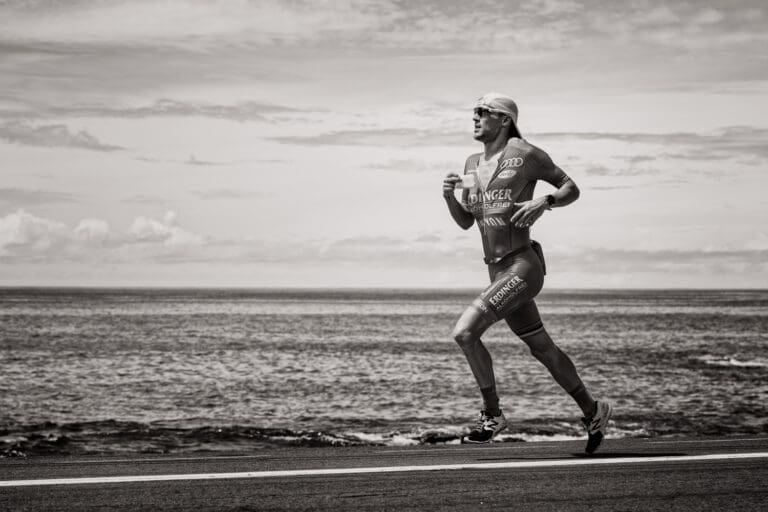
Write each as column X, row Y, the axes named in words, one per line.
column 4, row 287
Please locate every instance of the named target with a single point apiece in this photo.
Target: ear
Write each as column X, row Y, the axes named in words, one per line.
column 506, row 122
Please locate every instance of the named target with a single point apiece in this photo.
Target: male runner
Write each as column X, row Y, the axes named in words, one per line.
column 501, row 201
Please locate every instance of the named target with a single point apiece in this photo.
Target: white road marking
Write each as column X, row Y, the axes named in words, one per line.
column 710, row 441
column 154, row 459
column 380, row 469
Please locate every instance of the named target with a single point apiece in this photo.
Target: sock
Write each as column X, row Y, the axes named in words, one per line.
column 584, row 399
column 491, row 401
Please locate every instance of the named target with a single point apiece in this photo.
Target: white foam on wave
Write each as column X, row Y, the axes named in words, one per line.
column 452, row 435
column 535, row 438
column 733, row 362
column 389, row 439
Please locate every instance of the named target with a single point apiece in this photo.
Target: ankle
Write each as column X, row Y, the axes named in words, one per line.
column 490, row 400
column 492, row 411
column 584, row 400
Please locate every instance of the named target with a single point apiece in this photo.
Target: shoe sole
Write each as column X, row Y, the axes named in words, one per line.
column 596, row 439
column 464, row 439
column 593, row 443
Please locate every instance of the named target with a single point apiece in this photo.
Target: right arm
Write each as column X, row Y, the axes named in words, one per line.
column 462, row 217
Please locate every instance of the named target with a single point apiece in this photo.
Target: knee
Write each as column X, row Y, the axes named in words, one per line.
column 544, row 351
column 464, row 337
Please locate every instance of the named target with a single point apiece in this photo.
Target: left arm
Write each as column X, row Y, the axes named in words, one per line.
column 530, row 211
column 566, row 193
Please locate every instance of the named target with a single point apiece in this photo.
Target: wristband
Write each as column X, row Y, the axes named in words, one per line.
column 550, row 201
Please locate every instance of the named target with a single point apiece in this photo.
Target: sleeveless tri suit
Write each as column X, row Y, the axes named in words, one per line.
column 515, row 263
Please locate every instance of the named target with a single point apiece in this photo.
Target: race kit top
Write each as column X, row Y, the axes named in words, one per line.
column 491, row 202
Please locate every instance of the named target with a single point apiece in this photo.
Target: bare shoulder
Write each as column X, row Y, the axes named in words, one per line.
column 527, row 148
column 472, row 161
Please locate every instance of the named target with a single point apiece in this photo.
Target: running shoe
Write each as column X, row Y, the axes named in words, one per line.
column 486, row 428
column 597, row 425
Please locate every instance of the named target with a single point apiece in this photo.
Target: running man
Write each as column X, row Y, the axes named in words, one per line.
column 498, row 194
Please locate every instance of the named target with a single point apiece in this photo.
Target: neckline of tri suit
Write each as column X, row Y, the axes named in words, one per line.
column 495, row 156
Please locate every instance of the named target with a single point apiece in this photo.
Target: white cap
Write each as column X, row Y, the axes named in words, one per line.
column 500, row 104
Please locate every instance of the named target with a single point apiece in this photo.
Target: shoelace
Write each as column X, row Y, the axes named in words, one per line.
column 481, row 422
column 592, row 424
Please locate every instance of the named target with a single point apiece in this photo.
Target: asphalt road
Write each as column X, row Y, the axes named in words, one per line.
column 627, row 474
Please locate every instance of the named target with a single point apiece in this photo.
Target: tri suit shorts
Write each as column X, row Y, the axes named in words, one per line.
column 515, row 281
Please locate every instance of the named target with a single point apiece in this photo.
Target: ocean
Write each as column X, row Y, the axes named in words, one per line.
column 88, row 371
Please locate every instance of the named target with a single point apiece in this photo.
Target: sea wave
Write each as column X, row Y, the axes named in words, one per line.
column 113, row 437
column 240, row 371
column 733, row 362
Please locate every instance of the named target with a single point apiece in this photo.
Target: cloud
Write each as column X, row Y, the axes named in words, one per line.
column 428, row 238
column 631, row 137
column 25, row 237
column 184, row 21
column 612, row 187
column 57, row 135
column 124, row 80
column 411, row 165
column 372, row 25
column 354, row 24
column 195, row 24
column 425, row 249
column 708, row 16
column 602, row 170
column 635, row 159
column 378, row 137
column 725, row 143
column 17, row 197
column 144, row 199
column 243, row 111
column 433, row 250
column 686, row 25
column 661, row 15
column 92, row 230
column 228, row 194
column 22, row 232
column 735, row 144
column 729, row 142
column 88, row 58
column 191, row 160
column 11, row 49
column 166, row 232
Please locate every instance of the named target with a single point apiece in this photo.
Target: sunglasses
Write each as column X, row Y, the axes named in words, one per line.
column 484, row 112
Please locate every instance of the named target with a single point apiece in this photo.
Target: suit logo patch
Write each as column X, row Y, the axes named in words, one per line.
column 511, row 162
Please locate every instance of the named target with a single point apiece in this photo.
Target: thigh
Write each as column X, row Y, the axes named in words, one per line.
column 511, row 289
column 525, row 321
column 472, row 323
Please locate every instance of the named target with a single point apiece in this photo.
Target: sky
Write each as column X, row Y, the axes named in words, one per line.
column 303, row 143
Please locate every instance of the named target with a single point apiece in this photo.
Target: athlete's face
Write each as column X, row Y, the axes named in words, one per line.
column 487, row 124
